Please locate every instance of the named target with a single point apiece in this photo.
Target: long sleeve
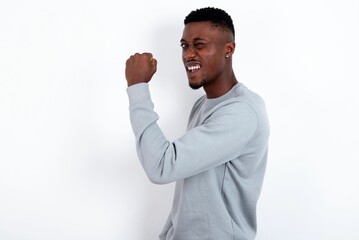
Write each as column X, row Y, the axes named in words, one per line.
column 223, row 135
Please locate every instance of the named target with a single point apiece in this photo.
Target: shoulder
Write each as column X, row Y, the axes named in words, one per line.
column 246, row 96
column 243, row 105
column 241, row 98
column 254, row 102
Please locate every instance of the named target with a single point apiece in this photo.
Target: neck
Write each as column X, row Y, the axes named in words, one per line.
column 221, row 88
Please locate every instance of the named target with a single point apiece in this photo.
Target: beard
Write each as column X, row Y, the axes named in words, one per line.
column 196, row 86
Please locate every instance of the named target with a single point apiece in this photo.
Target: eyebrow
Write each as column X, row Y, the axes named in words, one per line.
column 196, row 39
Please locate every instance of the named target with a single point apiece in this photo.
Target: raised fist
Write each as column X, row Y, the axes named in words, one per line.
column 140, row 68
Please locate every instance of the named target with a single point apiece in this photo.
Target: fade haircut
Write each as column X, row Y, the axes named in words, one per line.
column 218, row 17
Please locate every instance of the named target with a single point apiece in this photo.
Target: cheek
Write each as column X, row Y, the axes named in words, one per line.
column 214, row 61
column 213, row 54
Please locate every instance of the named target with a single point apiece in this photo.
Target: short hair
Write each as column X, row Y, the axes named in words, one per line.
column 218, row 17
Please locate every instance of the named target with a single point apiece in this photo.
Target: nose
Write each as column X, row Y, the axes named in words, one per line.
column 189, row 53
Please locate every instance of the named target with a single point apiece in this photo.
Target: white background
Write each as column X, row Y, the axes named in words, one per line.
column 68, row 167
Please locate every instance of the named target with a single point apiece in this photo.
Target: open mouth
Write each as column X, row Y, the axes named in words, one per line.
column 193, row 67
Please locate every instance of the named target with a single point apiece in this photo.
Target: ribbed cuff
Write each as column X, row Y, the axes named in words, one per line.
column 138, row 92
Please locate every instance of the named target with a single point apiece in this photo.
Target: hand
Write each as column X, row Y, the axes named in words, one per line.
column 140, row 68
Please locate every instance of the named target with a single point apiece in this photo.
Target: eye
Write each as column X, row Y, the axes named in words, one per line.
column 199, row 45
column 184, row 45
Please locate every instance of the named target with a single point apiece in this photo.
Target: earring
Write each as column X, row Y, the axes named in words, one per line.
column 227, row 56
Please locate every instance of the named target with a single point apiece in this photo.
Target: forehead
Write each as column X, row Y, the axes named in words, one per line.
column 200, row 30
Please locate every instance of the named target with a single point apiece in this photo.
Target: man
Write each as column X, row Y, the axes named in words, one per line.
column 219, row 163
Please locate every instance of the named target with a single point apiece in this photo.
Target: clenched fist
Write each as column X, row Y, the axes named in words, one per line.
column 140, row 68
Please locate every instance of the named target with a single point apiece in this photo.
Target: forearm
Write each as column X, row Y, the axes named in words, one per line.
column 151, row 144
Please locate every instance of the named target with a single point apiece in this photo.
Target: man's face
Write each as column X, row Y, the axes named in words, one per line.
column 203, row 53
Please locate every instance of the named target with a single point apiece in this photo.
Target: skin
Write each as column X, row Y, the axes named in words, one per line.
column 203, row 45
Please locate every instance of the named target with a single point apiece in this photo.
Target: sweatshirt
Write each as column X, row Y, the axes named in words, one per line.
column 218, row 164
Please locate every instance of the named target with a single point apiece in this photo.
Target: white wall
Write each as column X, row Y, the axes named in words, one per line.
column 68, row 167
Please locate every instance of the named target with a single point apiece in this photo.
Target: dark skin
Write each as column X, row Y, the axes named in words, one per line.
column 206, row 54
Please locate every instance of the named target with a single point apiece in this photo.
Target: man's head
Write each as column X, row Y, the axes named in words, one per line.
column 207, row 46
column 218, row 17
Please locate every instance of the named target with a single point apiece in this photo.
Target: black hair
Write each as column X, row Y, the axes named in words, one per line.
column 218, row 17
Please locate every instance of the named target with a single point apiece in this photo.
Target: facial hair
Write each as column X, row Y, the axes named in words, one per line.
column 195, row 86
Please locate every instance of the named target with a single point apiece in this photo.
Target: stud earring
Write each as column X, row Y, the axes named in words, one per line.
column 227, row 56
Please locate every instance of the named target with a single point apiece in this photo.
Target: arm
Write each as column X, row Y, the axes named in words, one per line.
column 220, row 139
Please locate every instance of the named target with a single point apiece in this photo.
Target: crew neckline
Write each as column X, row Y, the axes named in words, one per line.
column 224, row 96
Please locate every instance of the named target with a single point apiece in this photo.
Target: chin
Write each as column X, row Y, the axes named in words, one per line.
column 196, row 85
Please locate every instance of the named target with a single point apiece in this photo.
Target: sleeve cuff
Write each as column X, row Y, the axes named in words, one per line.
column 138, row 92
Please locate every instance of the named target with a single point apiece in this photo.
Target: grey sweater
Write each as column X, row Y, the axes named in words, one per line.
column 218, row 164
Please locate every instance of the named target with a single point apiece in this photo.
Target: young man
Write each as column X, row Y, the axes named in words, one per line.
column 219, row 163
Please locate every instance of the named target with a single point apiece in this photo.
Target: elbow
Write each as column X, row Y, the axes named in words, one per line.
column 159, row 174
column 158, row 178
column 162, row 172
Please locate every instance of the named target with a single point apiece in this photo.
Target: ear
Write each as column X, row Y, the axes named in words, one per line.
column 229, row 48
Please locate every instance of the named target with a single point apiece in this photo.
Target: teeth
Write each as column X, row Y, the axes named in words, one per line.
column 192, row 68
